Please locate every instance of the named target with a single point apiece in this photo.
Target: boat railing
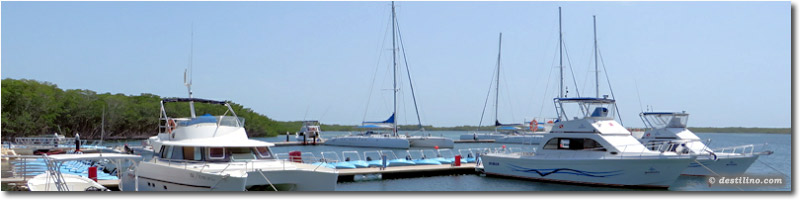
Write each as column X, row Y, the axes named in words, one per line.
column 23, row 167
column 742, row 149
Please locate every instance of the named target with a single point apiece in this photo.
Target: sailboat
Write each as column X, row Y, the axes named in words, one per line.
column 384, row 134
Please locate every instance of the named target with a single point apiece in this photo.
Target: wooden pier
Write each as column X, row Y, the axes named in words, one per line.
column 349, row 175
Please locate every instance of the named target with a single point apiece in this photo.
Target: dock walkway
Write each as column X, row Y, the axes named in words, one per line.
column 347, row 175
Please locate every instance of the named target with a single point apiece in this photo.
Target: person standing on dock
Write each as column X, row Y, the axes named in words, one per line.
column 77, row 142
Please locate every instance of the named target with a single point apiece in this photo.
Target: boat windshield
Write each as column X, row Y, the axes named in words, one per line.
column 665, row 120
column 586, row 108
column 227, row 154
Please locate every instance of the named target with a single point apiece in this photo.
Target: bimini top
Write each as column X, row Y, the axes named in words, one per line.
column 665, row 113
column 192, row 100
column 586, row 99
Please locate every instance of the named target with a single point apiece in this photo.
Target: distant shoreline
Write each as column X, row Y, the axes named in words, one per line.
column 734, row 130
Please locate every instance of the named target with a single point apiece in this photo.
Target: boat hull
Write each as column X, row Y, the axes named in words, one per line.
column 366, row 141
column 73, row 182
column 724, row 165
column 634, row 172
column 481, row 137
column 174, row 177
column 431, row 142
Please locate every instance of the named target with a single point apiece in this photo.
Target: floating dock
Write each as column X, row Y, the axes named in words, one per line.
column 349, row 175
column 296, row 143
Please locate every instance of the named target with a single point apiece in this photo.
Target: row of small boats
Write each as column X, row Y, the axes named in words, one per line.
column 366, row 159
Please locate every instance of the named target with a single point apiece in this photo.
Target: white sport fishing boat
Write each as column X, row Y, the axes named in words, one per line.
column 588, row 146
column 668, row 131
column 594, row 149
column 309, row 132
column 213, row 153
column 391, row 139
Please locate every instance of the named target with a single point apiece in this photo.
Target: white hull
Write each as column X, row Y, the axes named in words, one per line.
column 481, row 136
column 290, row 176
column 724, row 165
column 174, row 177
column 441, row 142
column 369, row 141
column 654, row 172
column 521, row 139
column 43, row 182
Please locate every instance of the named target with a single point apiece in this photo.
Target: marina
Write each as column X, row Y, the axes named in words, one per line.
column 320, row 97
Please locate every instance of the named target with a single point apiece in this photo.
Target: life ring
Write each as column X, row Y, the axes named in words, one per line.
column 534, row 125
column 171, row 125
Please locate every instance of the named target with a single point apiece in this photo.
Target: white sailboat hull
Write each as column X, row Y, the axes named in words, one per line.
column 441, row 142
column 369, row 141
column 653, row 172
column 481, row 136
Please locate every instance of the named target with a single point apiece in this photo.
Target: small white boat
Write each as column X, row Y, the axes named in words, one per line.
column 668, row 132
column 55, row 180
column 594, row 149
column 309, row 132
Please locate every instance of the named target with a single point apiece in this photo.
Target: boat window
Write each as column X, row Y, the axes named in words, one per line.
column 198, row 153
column 216, row 153
column 169, row 152
column 574, row 144
column 192, row 153
column 177, row 153
column 264, row 152
column 241, row 153
column 163, row 151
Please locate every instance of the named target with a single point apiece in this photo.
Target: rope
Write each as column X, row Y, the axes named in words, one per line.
column 605, row 71
column 408, row 72
column 772, row 168
column 715, row 173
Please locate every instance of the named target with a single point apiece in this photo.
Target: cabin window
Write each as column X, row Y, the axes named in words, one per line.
column 163, row 151
column 169, row 152
column 574, row 144
column 177, row 153
column 216, row 153
column 192, row 153
column 241, row 153
column 264, row 152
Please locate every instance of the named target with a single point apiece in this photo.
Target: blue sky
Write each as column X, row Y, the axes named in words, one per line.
column 726, row 63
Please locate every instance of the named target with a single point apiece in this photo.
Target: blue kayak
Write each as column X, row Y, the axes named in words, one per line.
column 375, row 163
column 400, row 162
column 344, row 165
column 426, row 162
column 444, row 160
column 359, row 163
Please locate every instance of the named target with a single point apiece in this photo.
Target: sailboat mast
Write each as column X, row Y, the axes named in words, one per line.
column 560, row 57
column 596, row 71
column 497, row 86
column 394, row 68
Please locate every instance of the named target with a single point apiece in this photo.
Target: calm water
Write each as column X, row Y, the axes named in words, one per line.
column 780, row 160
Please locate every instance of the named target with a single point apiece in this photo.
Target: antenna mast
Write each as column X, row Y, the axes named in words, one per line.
column 189, row 82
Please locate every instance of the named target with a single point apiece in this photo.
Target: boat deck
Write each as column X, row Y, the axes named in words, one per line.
column 20, row 181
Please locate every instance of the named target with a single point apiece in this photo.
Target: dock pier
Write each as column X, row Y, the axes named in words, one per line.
column 349, row 175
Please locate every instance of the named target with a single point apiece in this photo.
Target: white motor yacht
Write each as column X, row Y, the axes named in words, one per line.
column 214, row 153
column 668, row 131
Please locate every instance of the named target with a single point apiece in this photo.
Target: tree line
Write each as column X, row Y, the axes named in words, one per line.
column 31, row 108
